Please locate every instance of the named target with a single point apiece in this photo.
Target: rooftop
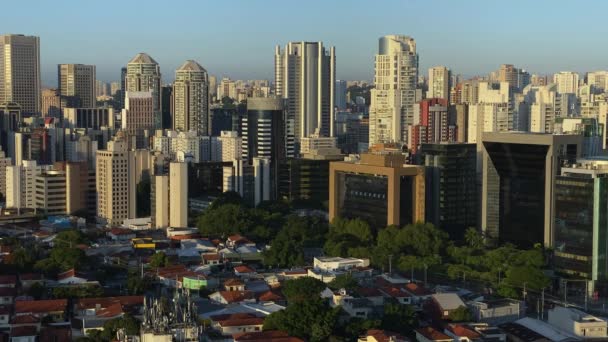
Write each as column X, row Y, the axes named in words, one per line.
column 142, row 58
column 191, row 65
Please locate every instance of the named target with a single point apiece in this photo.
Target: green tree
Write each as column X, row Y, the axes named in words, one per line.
column 461, row 314
column 159, row 259
column 225, row 220
column 136, row 285
column 228, row 103
column 37, row 290
column 311, row 319
column 126, row 322
column 343, row 281
column 143, row 197
column 303, row 289
column 23, row 258
column 473, row 238
column 348, row 238
column 81, row 291
column 70, row 238
column 228, row 197
column 298, row 232
column 399, row 318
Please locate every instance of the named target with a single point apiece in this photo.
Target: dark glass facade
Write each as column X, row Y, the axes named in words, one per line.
column 451, row 186
column 365, row 197
column 205, row 178
column 223, row 119
column 304, row 180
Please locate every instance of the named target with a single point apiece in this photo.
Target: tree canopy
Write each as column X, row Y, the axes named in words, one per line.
column 303, row 289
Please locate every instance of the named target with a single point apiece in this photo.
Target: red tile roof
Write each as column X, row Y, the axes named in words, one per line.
column 40, row 306
column 67, row 274
column 463, row 331
column 244, row 269
column 368, row 292
column 270, row 296
column 8, row 292
column 110, row 311
column 233, row 282
column 237, row 296
column 184, row 237
column 395, row 292
column 104, row 302
column 55, row 333
column 8, row 279
column 266, row 336
column 417, row 290
column 121, row 231
column 239, row 319
column 28, row 330
column 25, row 319
column 433, row 334
column 211, row 256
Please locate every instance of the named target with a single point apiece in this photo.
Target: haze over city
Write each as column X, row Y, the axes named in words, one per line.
column 236, row 38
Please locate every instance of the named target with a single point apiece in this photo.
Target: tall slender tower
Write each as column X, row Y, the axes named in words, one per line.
column 191, row 99
column 305, row 75
column 439, row 83
column 392, row 101
column 77, row 84
column 20, row 71
column 143, row 74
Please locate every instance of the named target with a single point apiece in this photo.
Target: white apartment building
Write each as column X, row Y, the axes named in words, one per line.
column 226, row 147
column 21, row 184
column 191, row 99
column 439, row 83
column 567, row 82
column 598, row 79
column 393, row 98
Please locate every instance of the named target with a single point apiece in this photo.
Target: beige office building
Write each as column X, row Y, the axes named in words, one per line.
column 567, row 82
column 191, row 99
column 391, row 110
column 138, row 116
column 116, row 183
column 379, row 188
column 4, row 162
column 20, row 71
column 77, row 84
column 170, row 197
column 51, row 103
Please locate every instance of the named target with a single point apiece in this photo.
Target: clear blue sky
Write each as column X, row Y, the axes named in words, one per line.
column 236, row 38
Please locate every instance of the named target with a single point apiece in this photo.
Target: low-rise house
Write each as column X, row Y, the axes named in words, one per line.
column 244, row 271
column 517, row 332
column 28, row 333
column 29, row 279
column 429, row 334
column 397, row 293
column 376, row 335
column 55, row 308
column 489, row 333
column 5, row 316
column 211, row 259
column 372, row 294
column 7, row 295
column 441, row 305
column 462, row 333
column 92, row 313
column 71, row 277
column 233, row 297
column 270, row 296
column 577, row 322
column 545, row 329
column 358, row 307
column 237, row 323
column 234, row 284
column 419, row 293
column 8, row 281
column 294, row 274
column 121, row 234
column 496, row 311
column 265, row 336
column 238, row 240
column 327, row 269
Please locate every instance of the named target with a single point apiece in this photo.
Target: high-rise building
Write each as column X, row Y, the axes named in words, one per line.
column 51, row 103
column 581, row 222
column 380, row 189
column 20, row 71
column 567, row 82
column 77, row 85
column 226, row 88
column 101, row 89
column 91, row 118
column 143, row 74
column 305, row 75
column 167, row 106
column 191, row 99
column 340, row 101
column 227, row 147
column 263, row 138
column 492, row 113
column 598, row 79
column 544, row 107
column 392, row 100
column 116, row 182
column 115, row 88
column 518, row 179
column 439, row 83
column 178, row 195
column 4, row 162
column 21, row 184
column 437, row 124
column 212, row 86
column 138, row 115
column 451, row 186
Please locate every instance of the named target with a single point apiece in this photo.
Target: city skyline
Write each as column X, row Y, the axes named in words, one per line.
column 237, row 38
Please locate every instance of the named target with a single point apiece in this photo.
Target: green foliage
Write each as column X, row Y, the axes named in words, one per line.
column 159, row 259
column 228, row 197
column 143, row 197
column 348, row 238
column 227, row 103
column 302, row 289
column 126, row 322
column 312, row 320
column 473, row 238
column 399, row 318
column 356, row 327
column 225, row 220
column 37, row 290
column 70, row 238
column 461, row 314
column 137, row 285
column 93, row 335
column 343, row 281
column 298, row 232
column 23, row 259
column 61, row 259
column 82, row 291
